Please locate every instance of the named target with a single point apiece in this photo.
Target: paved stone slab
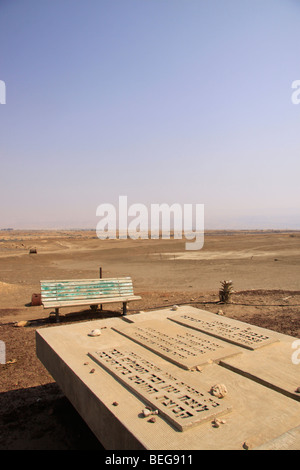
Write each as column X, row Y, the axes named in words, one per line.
column 288, row 441
column 246, row 336
column 273, row 367
column 181, row 346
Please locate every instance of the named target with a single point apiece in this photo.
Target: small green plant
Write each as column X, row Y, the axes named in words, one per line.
column 226, row 291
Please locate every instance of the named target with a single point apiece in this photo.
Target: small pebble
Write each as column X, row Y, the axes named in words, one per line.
column 148, row 412
column 92, row 371
column 151, row 420
column 247, row 446
column 218, row 390
column 115, row 403
column 216, row 423
column 12, row 361
column 95, row 332
column 22, row 323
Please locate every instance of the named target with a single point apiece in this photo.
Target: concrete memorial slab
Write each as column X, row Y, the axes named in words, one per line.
column 246, row 336
column 184, row 348
column 287, row 441
column 179, row 402
column 272, row 367
column 111, row 379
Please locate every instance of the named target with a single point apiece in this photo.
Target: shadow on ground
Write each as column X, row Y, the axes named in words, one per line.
column 42, row 418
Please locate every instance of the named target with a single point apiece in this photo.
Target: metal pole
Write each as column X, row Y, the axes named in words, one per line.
column 100, row 274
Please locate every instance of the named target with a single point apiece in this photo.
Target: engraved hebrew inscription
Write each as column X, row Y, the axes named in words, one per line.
column 227, row 330
column 179, row 403
column 179, row 345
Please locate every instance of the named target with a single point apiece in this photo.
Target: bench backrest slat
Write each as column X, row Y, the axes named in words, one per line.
column 85, row 289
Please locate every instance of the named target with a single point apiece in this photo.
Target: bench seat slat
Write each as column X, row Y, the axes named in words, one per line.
column 114, row 292
column 92, row 302
column 84, row 281
column 87, row 293
column 87, row 281
column 86, row 288
column 87, row 297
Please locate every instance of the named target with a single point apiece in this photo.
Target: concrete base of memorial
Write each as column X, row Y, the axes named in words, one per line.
column 167, row 362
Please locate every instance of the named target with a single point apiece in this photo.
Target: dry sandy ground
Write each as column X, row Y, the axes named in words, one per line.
column 34, row 414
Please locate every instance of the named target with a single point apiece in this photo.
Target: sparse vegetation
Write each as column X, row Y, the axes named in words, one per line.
column 226, row 291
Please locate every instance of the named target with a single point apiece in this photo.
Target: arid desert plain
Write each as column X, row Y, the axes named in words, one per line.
column 264, row 267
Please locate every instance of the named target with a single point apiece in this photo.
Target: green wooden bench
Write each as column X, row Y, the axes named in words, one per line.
column 92, row 292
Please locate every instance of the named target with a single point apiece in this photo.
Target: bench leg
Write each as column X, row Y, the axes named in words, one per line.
column 124, row 308
column 57, row 315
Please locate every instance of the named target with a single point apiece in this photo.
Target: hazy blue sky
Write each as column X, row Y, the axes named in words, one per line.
column 164, row 101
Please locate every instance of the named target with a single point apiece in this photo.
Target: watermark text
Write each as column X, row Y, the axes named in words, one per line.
column 2, row 92
column 163, row 220
column 296, row 354
column 2, row 352
column 296, row 94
